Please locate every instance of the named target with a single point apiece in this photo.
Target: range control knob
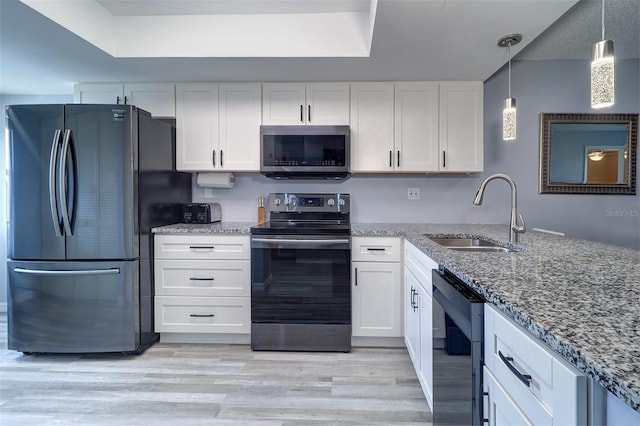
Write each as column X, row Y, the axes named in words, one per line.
column 277, row 201
column 331, row 202
column 341, row 202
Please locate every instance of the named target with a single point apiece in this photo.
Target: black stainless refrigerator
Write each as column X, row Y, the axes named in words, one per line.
column 86, row 185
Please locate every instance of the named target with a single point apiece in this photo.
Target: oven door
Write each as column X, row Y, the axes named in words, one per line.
column 301, row 279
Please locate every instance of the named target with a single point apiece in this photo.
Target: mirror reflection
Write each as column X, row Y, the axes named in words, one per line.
column 588, row 153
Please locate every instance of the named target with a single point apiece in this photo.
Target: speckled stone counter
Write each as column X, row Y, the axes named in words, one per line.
column 209, row 228
column 581, row 298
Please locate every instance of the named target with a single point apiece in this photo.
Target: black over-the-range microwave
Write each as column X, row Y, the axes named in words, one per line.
column 305, row 152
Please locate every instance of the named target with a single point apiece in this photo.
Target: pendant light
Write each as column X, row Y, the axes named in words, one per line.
column 509, row 111
column 602, row 72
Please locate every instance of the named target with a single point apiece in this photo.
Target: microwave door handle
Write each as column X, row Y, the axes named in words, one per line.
column 53, row 193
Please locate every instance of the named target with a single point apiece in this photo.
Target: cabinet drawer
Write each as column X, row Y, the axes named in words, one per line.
column 419, row 264
column 376, row 249
column 202, row 314
column 195, row 247
column 555, row 388
column 202, row 277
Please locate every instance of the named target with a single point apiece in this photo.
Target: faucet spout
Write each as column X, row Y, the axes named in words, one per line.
column 514, row 227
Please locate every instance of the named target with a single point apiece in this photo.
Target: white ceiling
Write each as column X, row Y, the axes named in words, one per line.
column 412, row 40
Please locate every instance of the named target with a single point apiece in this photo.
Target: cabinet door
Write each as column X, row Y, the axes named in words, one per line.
column 327, row 103
column 239, row 118
column 98, row 93
column 372, row 127
column 157, row 98
column 411, row 318
column 197, row 126
column 424, row 307
column 283, row 103
column 377, row 298
column 498, row 408
column 461, row 126
column 416, row 127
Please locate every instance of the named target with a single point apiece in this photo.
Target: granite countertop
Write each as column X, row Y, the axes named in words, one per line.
column 581, row 298
column 209, row 228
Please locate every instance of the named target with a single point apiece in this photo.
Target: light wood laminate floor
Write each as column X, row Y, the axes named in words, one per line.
column 188, row 384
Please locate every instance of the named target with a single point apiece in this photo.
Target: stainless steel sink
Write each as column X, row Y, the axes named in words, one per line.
column 470, row 244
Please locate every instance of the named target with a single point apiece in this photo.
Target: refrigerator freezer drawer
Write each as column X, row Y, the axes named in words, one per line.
column 73, row 307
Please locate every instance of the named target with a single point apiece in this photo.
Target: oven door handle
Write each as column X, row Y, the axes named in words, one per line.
column 295, row 241
column 300, row 243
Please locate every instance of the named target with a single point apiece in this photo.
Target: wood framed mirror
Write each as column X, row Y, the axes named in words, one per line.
column 588, row 153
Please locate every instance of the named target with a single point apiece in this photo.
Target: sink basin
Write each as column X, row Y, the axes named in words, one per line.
column 470, row 244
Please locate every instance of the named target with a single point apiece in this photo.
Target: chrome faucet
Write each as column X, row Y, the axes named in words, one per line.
column 514, row 228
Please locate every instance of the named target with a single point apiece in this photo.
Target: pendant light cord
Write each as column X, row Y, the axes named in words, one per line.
column 509, row 54
column 602, row 19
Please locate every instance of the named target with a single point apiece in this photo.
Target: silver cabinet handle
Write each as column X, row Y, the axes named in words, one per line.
column 109, row 271
column 53, row 198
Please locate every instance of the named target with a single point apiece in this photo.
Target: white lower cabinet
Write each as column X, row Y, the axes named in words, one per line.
column 376, row 287
column 419, row 316
column 531, row 384
column 202, row 284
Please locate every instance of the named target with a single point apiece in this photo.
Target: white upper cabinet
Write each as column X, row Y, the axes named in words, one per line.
column 218, row 126
column 157, row 98
column 371, row 127
column 461, row 126
column 197, row 126
column 98, row 93
column 417, row 127
column 305, row 103
column 239, row 114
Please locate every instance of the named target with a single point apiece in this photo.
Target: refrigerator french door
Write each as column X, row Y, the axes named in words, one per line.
column 74, row 235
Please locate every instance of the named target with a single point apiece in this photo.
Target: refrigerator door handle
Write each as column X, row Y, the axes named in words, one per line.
column 62, row 183
column 109, row 271
column 53, row 196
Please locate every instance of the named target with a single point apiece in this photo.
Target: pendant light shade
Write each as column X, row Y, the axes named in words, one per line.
column 509, row 116
column 602, row 75
column 509, row 119
column 602, row 72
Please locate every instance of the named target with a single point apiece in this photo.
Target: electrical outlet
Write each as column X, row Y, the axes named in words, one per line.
column 413, row 193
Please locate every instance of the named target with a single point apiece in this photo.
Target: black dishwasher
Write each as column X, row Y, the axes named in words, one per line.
column 457, row 368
